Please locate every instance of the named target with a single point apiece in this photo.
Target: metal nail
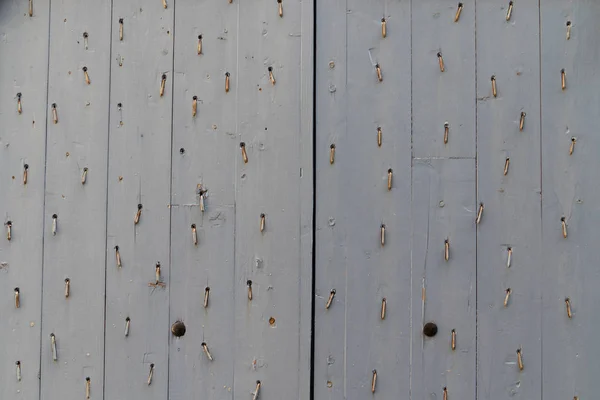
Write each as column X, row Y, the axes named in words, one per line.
column 330, row 299
column 67, row 287
column 441, row 61
column 244, row 154
column 572, row 147
column 118, row 256
column 506, row 165
column 379, row 136
column 54, row 224
column 163, row 81
column 378, row 70
column 18, row 363
column 8, row 230
column 383, row 28
column 54, row 113
column 194, row 235
column 373, row 381
column 280, row 2
column 249, row 284
column 84, row 175
column 86, row 75
column 520, row 359
column 53, row 347
column 164, row 2
column 383, row 307
column 445, row 394
column 206, row 295
column 522, row 121
column 258, row 384
column 25, row 173
column 194, row 105
column 563, row 222
column 382, row 234
column 17, row 298
column 507, row 296
column 150, row 374
column 446, row 249
column 446, row 132
column 87, row 387
column 568, row 30
column 458, row 11
column 120, row 30
column 19, row 108
column 509, row 12
column 332, row 154
column 563, row 79
column 199, row 44
column 226, row 82
column 201, row 193
column 453, row 342
column 262, row 222
column 568, row 304
column 205, row 348
column 389, row 181
column 127, row 326
column 494, row 92
column 479, row 213
column 157, row 272
column 138, row 215
column 509, row 259
column 271, row 76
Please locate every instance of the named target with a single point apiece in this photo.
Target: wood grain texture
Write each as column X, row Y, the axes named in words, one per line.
column 22, row 141
column 570, row 190
column 512, row 201
column 76, row 252
column 139, row 172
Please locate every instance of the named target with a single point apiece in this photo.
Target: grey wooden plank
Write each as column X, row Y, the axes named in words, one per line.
column 443, row 97
column 211, row 150
column 22, row 141
column 139, row 173
column 76, row 252
column 510, row 51
column 268, row 121
column 444, row 292
column 330, row 268
column 570, row 190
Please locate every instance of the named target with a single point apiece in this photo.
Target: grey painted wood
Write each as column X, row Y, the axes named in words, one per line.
column 351, row 339
column 22, row 141
column 276, row 181
column 139, row 172
column 76, row 252
column 211, row 150
column 512, row 201
column 443, row 97
column 570, row 190
column 443, row 292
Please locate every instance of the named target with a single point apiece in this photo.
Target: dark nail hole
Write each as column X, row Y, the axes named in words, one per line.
column 207, row 289
column 242, row 144
column 460, row 4
column 568, row 23
column 120, row 20
column 139, row 206
column 200, row 37
column 17, row 290
column 332, row 291
column 203, row 344
column 262, row 215
column 383, row 225
column 195, row 98
column 573, row 139
column 54, row 216
column 382, row 19
column 508, row 290
column 518, row 351
column 193, row 225
column 120, row 105
column 18, row 363
column 85, row 168
column 181, row 150
column 152, row 365
column 493, row 77
column 87, row 378
column 249, row 282
column 85, row 35
column 67, row 280
column 53, row 105
column 9, row 223
column 439, row 54
column 257, row 382
column 26, row 166
column 164, row 76
column 562, row 70
column 562, row 218
column 446, row 125
column 332, row 146
column 430, row 329
column 510, row 3
column 390, row 171
column 19, row 95
column 377, row 65
column 226, row 73
column 270, row 69
column 178, row 329
column 279, row 1
column 84, row 69
column 127, row 319
column 116, row 247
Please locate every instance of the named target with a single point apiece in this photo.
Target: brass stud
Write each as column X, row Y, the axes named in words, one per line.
column 507, row 296
column 330, row 299
column 373, row 381
column 25, row 173
column 568, row 305
column 520, row 359
column 249, row 284
column 441, row 61
column 163, row 81
column 446, row 249
column 138, row 215
column 88, row 385
column 17, row 298
column 194, row 105
column 568, row 30
column 389, row 180
column 257, row 390
column 563, row 79
column 383, row 307
column 120, row 30
column 479, row 213
column 194, row 235
column 244, row 154
column 18, row 364
column 150, row 374
column 379, row 136
column 271, row 76
column 383, row 28
column 127, row 326
column 494, row 92
column 205, row 348
column 446, row 132
column 506, row 165
column 382, row 234
column 572, row 147
column 84, row 175
column 53, row 347
column 280, row 3
column 67, row 288
column 19, row 108
column 226, row 82
column 458, row 11
column 332, row 154
column 262, row 222
column 86, row 76
column 206, row 295
column 522, row 121
column 378, row 70
column 118, row 256
column 54, row 113
column 509, row 12
column 563, row 222
column 8, row 230
column 453, row 340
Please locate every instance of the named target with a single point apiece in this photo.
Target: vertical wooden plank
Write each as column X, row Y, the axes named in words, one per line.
column 210, row 150
column 570, row 190
column 509, row 50
column 351, row 338
column 74, row 241
column 443, row 293
column 443, row 97
column 139, row 173
column 22, row 142
column 269, row 121
column 330, row 268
